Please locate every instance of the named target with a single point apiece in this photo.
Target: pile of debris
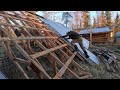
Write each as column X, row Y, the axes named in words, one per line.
column 108, row 58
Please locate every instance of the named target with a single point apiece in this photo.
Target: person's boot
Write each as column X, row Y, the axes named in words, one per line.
column 76, row 48
column 86, row 55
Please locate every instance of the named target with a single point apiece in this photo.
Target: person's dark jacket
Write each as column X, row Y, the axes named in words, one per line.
column 17, row 32
column 72, row 35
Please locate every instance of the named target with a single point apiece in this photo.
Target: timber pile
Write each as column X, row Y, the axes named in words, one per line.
column 35, row 34
column 108, row 58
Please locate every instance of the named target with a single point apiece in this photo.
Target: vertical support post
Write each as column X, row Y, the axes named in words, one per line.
column 91, row 36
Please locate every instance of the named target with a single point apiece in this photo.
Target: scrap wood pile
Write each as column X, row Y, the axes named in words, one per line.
column 108, row 58
column 31, row 45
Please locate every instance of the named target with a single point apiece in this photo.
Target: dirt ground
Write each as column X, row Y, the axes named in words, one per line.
column 100, row 71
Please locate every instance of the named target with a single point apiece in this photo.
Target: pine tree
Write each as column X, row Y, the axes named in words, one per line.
column 95, row 23
column 98, row 22
column 102, row 21
column 77, row 18
column 65, row 17
column 117, row 20
column 46, row 14
column 80, row 24
column 72, row 23
column 86, row 19
column 50, row 15
column 108, row 17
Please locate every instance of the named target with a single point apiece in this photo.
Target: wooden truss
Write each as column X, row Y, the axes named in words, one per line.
column 48, row 44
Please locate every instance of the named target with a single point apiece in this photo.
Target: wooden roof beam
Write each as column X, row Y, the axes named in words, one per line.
column 73, row 62
column 24, row 38
column 61, row 64
column 32, row 22
column 47, row 51
column 55, row 58
column 25, row 54
column 13, row 17
column 23, row 61
column 63, row 69
column 16, row 63
column 30, row 59
column 4, row 24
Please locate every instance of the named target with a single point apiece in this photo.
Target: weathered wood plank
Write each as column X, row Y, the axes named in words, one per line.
column 13, row 17
column 18, row 65
column 4, row 24
column 27, row 56
column 12, row 58
column 43, row 49
column 61, row 64
column 24, row 38
column 47, row 51
column 63, row 69
column 73, row 62
column 79, row 56
column 22, row 61
column 56, row 58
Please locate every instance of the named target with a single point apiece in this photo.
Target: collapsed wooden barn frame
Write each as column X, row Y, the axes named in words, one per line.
column 35, row 34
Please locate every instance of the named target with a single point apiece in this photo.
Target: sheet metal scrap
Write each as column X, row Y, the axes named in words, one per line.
column 108, row 58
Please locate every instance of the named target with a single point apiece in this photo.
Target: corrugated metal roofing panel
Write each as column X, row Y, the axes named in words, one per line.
column 63, row 29
column 95, row 30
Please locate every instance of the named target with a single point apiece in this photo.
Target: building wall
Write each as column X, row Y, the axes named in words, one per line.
column 98, row 38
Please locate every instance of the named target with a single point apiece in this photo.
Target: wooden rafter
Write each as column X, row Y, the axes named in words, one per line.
column 22, row 61
column 47, row 51
column 28, row 57
column 24, row 38
column 16, row 63
column 63, row 69
column 49, row 45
